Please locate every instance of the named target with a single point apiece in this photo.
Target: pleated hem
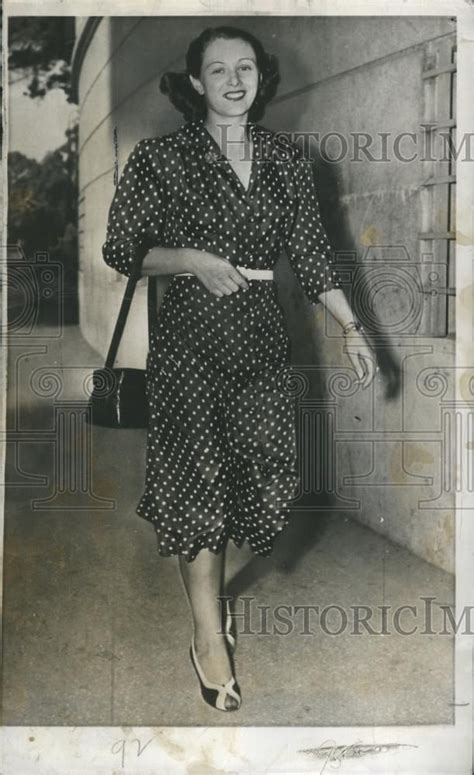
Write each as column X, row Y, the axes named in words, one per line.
column 214, row 541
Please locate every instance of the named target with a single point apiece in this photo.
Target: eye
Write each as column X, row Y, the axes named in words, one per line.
column 218, row 70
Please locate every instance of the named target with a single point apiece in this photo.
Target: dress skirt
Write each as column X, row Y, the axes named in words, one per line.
column 221, row 440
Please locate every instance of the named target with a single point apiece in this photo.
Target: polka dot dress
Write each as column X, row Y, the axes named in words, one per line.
column 221, row 442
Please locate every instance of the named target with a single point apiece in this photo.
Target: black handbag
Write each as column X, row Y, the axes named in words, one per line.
column 118, row 398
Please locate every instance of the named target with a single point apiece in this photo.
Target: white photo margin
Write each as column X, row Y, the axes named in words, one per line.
column 439, row 749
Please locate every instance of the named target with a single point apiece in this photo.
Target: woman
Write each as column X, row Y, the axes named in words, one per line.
column 213, row 204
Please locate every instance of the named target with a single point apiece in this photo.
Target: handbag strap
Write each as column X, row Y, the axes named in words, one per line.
column 152, row 305
column 125, row 307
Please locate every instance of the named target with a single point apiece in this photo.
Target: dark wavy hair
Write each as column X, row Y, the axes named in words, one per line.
column 185, row 98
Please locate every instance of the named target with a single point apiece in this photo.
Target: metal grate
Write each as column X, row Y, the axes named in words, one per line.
column 437, row 231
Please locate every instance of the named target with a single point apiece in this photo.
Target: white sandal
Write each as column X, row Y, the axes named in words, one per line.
column 215, row 694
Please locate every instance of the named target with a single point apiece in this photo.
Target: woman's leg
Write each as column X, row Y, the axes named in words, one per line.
column 203, row 579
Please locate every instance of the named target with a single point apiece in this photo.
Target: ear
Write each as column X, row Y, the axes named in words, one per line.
column 196, row 84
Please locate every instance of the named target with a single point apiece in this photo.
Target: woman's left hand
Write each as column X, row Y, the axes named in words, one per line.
column 362, row 357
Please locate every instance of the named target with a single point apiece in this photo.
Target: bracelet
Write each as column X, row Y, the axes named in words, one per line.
column 354, row 325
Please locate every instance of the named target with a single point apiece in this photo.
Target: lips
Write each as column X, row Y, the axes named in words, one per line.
column 234, row 95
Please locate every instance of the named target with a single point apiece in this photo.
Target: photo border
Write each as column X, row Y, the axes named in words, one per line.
column 401, row 749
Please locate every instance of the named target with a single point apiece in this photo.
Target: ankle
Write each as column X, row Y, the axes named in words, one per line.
column 208, row 642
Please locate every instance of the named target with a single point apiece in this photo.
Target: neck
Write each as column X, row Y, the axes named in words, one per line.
column 223, row 128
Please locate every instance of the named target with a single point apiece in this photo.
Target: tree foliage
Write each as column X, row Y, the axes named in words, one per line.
column 42, row 197
column 40, row 50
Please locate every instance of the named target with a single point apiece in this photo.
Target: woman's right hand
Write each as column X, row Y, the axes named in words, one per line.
column 216, row 273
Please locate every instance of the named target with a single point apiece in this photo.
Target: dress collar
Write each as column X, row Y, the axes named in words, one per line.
column 201, row 138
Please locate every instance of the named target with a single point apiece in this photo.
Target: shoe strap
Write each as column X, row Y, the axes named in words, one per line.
column 223, row 691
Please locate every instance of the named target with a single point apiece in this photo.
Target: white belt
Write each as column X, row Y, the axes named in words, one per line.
column 251, row 274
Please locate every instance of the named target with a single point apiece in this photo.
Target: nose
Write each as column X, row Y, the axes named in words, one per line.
column 233, row 77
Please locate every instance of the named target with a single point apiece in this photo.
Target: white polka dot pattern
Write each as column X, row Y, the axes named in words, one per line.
column 178, row 190
column 221, row 446
column 221, row 451
column 308, row 247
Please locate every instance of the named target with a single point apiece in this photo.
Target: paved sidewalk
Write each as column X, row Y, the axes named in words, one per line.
column 96, row 629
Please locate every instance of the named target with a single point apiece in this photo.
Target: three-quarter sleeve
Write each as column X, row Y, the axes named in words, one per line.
column 135, row 215
column 307, row 247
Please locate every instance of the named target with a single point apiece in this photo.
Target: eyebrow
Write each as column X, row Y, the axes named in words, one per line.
column 219, row 62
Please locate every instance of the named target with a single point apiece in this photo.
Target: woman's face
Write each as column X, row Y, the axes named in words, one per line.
column 229, row 77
